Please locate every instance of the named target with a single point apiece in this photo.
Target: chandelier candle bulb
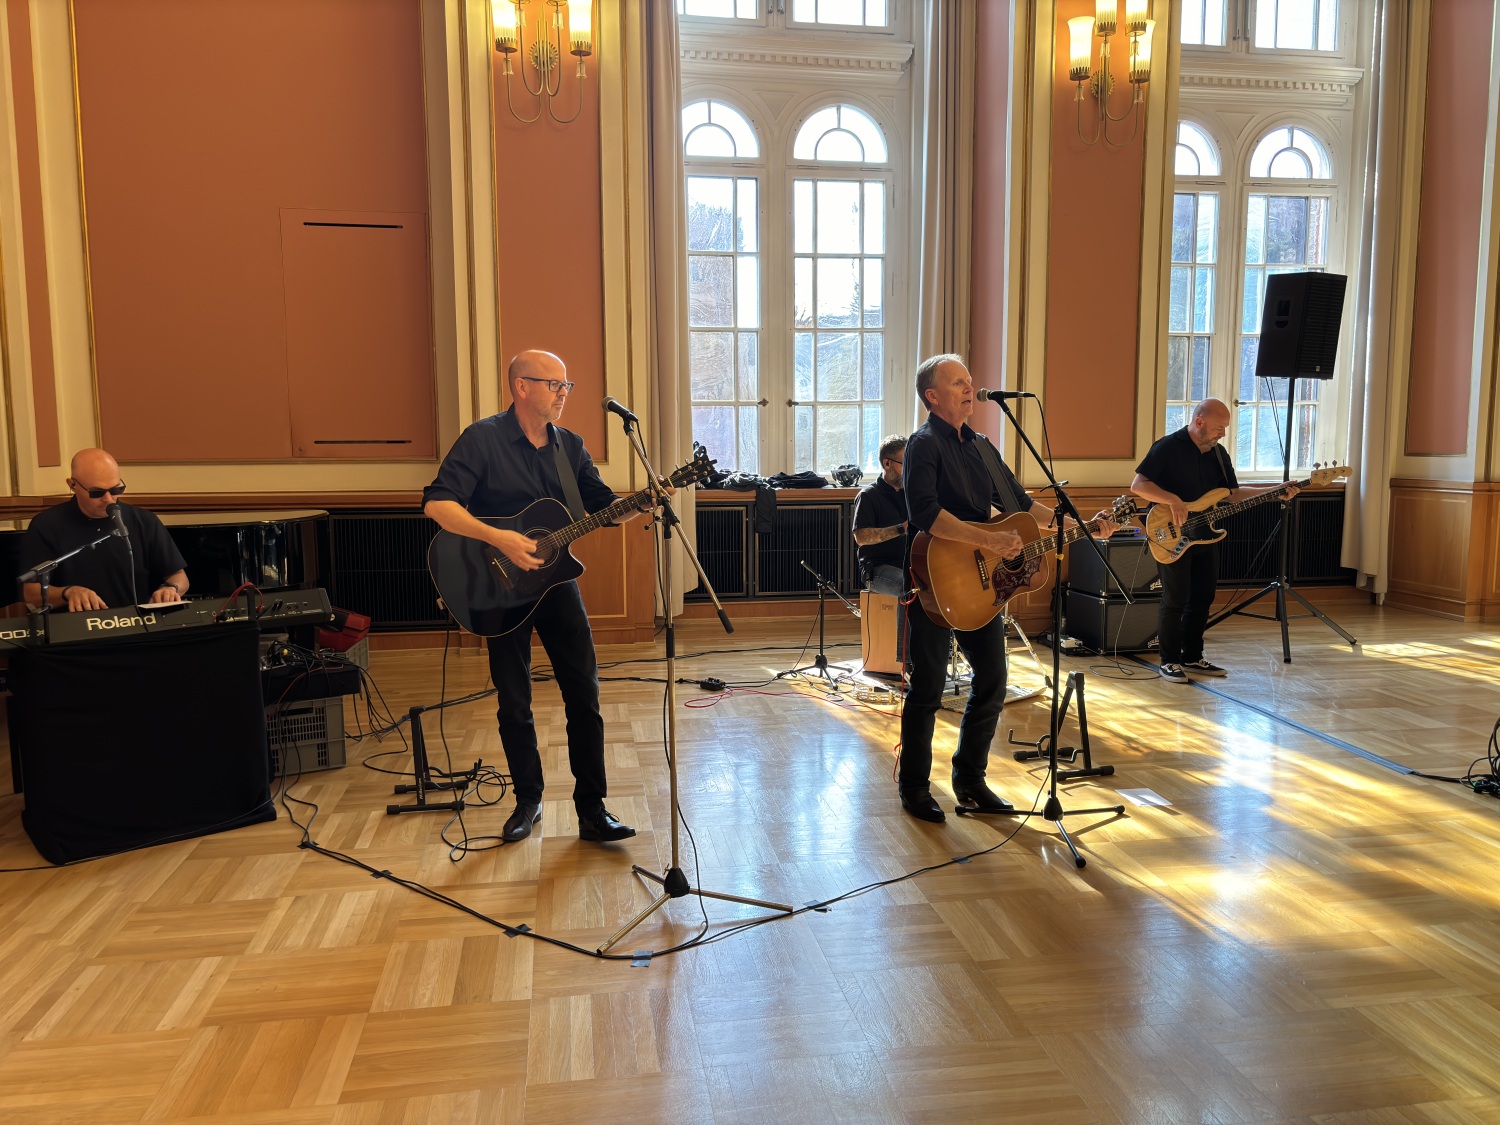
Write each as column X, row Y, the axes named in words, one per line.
column 1140, row 60
column 1080, row 48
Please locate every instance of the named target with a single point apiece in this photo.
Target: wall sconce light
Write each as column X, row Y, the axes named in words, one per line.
column 1101, row 83
column 546, row 51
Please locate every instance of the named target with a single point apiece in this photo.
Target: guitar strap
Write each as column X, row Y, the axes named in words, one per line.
column 569, row 480
column 1009, row 501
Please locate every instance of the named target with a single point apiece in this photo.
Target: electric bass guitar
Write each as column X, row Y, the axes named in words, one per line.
column 1168, row 542
column 963, row 587
column 489, row 595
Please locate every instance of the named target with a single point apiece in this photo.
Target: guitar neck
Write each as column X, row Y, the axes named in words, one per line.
column 1248, row 502
column 1044, row 545
column 565, row 535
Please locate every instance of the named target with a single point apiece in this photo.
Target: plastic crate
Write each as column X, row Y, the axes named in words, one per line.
column 310, row 734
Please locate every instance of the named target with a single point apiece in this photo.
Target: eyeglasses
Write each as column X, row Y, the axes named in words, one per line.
column 553, row 385
column 101, row 493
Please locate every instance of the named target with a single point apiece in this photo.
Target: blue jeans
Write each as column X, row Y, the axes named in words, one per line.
column 927, row 651
column 563, row 625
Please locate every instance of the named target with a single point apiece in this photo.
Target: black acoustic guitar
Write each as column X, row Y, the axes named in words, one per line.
column 489, row 595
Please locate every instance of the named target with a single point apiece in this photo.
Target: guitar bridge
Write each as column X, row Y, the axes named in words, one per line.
column 984, row 571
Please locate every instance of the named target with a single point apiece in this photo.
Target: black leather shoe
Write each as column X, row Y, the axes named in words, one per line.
column 603, row 827
column 518, row 825
column 979, row 798
column 920, row 804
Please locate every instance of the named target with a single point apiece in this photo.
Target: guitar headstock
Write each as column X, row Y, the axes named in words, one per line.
column 700, row 468
column 1123, row 508
column 1327, row 474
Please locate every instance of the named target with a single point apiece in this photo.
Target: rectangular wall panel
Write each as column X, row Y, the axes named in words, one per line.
column 358, row 334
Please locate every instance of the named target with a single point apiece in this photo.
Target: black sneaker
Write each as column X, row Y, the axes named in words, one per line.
column 1173, row 673
column 1202, row 668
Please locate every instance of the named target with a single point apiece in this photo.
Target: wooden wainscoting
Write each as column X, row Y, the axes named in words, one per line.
column 618, row 586
column 1442, row 552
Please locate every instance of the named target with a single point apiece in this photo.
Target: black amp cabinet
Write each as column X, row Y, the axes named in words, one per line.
column 1098, row 614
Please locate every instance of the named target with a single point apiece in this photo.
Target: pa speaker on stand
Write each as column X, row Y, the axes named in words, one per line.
column 1299, row 339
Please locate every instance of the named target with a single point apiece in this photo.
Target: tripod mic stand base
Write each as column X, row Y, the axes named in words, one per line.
column 674, row 884
column 1054, row 812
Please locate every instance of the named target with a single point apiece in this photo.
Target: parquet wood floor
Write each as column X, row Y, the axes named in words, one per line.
column 1301, row 935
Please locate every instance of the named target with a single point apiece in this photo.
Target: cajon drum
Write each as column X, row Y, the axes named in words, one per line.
column 882, row 620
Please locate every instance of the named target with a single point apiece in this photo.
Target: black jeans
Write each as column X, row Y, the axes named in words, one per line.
column 563, row 625
column 927, row 651
column 1187, row 595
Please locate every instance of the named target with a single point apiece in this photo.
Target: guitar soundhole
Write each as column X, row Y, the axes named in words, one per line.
column 545, row 551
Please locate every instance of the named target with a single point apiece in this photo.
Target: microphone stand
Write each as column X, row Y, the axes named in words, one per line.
column 36, row 618
column 819, row 666
column 1047, row 744
column 674, row 883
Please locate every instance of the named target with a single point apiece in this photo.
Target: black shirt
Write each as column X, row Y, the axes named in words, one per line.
column 945, row 470
column 1177, row 464
column 105, row 569
column 880, row 505
column 494, row 470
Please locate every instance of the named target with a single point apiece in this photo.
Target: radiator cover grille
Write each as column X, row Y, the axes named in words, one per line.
column 380, row 568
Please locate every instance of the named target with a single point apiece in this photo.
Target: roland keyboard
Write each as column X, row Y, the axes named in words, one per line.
column 281, row 610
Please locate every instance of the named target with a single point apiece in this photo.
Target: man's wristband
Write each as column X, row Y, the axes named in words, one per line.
column 63, row 594
column 170, row 586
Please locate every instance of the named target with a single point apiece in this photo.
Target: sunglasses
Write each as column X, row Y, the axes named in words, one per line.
column 100, row 493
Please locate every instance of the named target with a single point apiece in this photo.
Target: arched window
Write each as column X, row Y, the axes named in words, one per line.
column 841, row 133
column 714, row 129
column 1196, row 153
column 724, row 282
column 1191, row 309
column 839, row 282
column 1290, row 154
column 1286, row 231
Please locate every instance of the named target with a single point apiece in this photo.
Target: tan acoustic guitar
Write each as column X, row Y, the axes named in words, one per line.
column 1168, row 542
column 963, row 587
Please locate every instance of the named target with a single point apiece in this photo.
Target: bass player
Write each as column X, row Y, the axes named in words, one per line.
column 1178, row 470
column 498, row 466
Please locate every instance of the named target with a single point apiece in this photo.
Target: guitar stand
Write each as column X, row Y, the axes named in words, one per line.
column 422, row 770
column 1070, row 753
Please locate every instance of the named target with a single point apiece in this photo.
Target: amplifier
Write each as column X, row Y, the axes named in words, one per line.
column 1129, row 557
column 1109, row 625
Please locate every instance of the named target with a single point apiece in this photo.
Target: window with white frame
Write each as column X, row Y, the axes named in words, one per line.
column 792, row 174
column 1262, row 187
column 724, row 290
column 1272, row 25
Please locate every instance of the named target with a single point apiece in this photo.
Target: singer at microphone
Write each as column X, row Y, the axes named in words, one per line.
column 953, row 479
column 102, row 578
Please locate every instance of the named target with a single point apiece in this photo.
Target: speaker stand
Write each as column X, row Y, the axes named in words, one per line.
column 1281, row 586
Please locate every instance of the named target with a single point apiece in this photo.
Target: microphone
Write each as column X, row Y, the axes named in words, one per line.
column 615, row 406
column 986, row 395
column 113, row 511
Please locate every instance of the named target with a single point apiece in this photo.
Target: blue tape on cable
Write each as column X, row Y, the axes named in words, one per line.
column 642, row 959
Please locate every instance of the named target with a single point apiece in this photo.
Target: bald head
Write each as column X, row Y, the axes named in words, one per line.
column 94, row 469
column 535, row 364
column 93, row 466
column 1211, row 407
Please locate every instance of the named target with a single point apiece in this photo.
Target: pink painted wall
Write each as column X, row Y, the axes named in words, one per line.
column 1094, row 268
column 201, row 121
column 33, row 236
column 1442, row 346
column 549, row 202
column 988, row 296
